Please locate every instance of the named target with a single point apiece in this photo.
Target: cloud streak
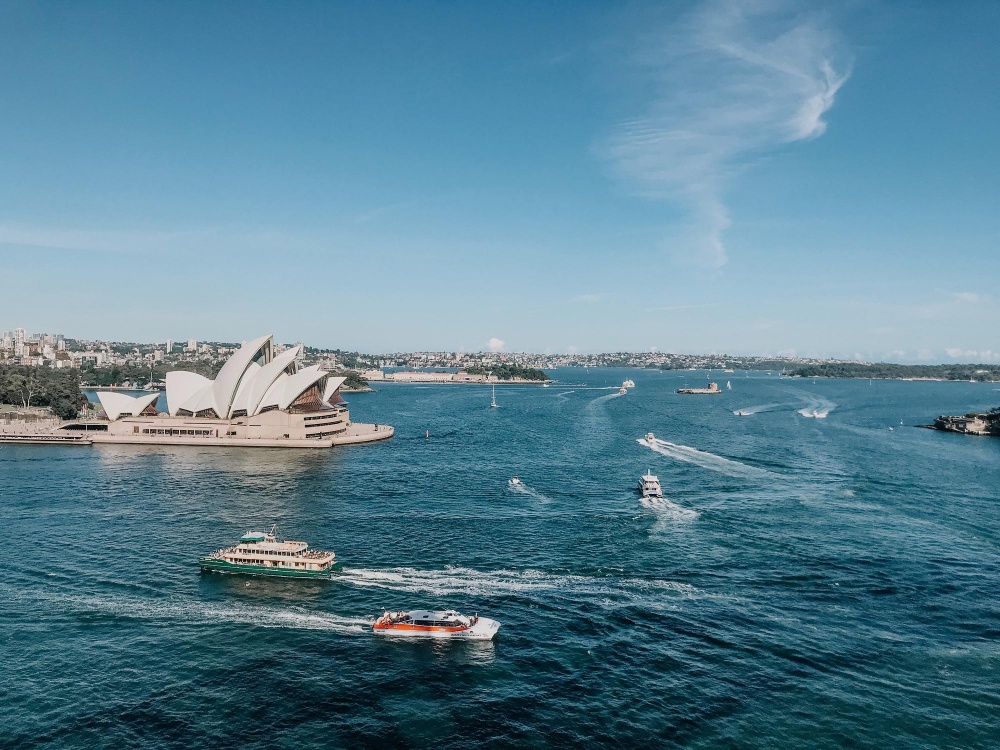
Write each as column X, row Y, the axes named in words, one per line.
column 730, row 81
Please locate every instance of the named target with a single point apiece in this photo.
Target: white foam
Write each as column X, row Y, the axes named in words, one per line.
column 668, row 510
column 524, row 489
column 747, row 410
column 704, row 459
column 450, row 581
column 816, row 407
column 188, row 612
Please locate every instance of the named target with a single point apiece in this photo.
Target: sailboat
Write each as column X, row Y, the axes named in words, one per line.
column 729, row 386
column 493, row 401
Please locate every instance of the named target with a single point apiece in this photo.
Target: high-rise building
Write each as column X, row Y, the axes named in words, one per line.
column 170, row 345
column 192, row 345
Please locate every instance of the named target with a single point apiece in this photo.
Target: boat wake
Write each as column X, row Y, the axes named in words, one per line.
column 192, row 613
column 668, row 510
column 746, row 411
column 524, row 489
column 704, row 459
column 816, row 407
column 456, row 580
column 601, row 399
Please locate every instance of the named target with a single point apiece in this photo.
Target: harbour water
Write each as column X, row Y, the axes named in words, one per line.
column 811, row 577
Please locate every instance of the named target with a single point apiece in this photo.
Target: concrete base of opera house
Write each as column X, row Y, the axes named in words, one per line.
column 355, row 433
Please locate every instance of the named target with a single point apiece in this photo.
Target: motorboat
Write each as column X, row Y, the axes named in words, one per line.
column 623, row 390
column 628, row 384
column 436, row 624
column 514, row 482
column 649, row 486
column 650, row 438
column 741, row 413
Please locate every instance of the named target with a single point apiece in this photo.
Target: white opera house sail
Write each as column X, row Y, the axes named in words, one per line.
column 259, row 397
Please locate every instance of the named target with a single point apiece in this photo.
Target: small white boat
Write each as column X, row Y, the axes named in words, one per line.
column 628, row 384
column 493, row 400
column 650, row 438
column 436, row 624
column 622, row 391
column 729, row 386
column 649, row 486
column 514, row 482
column 742, row 413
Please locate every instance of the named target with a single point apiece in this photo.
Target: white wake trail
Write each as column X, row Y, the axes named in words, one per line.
column 201, row 613
column 452, row 581
column 524, row 489
column 748, row 410
column 704, row 459
column 668, row 510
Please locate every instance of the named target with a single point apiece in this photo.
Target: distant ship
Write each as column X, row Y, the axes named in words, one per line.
column 628, row 384
column 712, row 388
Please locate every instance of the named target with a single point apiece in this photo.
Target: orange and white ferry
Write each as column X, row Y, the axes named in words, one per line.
column 443, row 624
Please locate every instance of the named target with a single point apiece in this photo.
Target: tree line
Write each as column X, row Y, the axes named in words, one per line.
column 59, row 389
column 888, row 371
column 508, row 372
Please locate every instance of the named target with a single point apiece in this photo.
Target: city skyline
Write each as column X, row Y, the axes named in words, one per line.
column 749, row 179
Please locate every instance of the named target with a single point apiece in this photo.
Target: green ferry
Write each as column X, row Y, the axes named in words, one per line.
column 260, row 553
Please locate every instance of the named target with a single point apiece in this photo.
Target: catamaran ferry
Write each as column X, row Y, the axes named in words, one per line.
column 260, row 553
column 425, row 624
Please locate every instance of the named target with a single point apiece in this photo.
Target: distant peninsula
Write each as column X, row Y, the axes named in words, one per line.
column 889, row 371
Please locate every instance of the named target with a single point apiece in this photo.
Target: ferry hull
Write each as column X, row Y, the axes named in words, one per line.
column 211, row 565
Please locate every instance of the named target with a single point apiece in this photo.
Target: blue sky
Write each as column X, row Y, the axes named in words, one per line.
column 752, row 177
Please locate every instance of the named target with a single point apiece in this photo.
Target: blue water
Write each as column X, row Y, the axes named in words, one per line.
column 806, row 582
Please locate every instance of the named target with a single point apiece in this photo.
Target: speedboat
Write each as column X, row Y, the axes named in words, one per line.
column 741, row 413
column 649, row 486
column 628, row 384
column 436, row 624
column 649, row 438
column 623, row 390
column 514, row 482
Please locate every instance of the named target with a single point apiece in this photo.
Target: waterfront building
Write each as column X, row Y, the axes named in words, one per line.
column 258, row 398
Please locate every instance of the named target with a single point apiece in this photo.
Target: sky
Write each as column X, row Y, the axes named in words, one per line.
column 772, row 177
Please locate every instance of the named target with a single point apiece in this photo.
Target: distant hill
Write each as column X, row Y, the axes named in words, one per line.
column 888, row 371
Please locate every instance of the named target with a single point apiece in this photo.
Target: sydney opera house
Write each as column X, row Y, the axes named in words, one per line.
column 259, row 398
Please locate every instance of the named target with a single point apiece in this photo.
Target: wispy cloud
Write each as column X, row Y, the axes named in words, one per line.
column 972, row 355
column 495, row 344
column 730, row 80
column 676, row 308
column 590, row 299
column 970, row 298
